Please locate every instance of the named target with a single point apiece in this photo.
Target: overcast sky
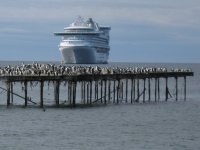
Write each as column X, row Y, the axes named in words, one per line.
column 141, row 30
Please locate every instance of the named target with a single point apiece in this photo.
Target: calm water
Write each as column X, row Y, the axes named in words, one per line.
column 152, row 126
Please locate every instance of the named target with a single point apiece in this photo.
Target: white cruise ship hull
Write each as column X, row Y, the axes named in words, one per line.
column 82, row 55
column 84, row 42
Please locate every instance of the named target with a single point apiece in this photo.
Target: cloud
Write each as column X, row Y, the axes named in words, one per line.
column 163, row 13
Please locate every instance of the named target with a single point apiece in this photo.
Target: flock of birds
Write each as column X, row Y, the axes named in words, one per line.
column 36, row 69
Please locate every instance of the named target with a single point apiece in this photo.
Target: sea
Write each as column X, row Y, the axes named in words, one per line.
column 171, row 125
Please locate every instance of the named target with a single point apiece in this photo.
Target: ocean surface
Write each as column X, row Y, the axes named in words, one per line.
column 140, row 126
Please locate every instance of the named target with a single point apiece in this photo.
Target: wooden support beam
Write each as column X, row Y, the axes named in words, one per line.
column 74, row 93
column 131, row 90
column 114, row 87
column 118, row 88
column 149, row 87
column 11, row 93
column 90, row 92
column 166, row 89
column 83, row 92
column 121, row 90
column 126, row 90
column 101, row 91
column 41, row 94
column 109, row 90
column 25, row 93
column 97, row 90
column 176, row 79
column 138, row 90
column 105, row 91
column 185, row 88
column 156, row 82
column 56, row 92
column 158, row 88
column 8, row 93
column 134, row 88
column 144, row 87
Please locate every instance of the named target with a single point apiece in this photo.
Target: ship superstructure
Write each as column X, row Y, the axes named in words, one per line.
column 84, row 42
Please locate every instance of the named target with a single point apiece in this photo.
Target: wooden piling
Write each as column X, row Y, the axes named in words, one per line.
column 8, row 93
column 138, row 90
column 149, row 87
column 90, row 92
column 105, row 91
column 114, row 87
column 158, row 88
column 74, row 93
column 144, row 88
column 11, row 93
column 83, row 92
column 25, row 93
column 176, row 79
column 56, row 92
column 97, row 90
column 109, row 90
column 166, row 89
column 126, row 90
column 134, row 88
column 101, row 91
column 185, row 88
column 118, row 88
column 41, row 93
column 131, row 90
column 156, row 81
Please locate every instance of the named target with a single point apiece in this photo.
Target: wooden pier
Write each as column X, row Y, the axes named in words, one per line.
column 100, row 88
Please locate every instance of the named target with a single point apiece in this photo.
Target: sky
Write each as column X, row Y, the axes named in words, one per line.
column 141, row 30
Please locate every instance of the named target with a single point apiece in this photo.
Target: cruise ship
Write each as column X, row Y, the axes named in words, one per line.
column 84, row 42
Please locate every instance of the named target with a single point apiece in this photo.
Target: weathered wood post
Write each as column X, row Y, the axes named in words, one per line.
column 97, row 90
column 149, row 87
column 185, row 88
column 74, row 93
column 121, row 90
column 90, row 92
column 134, row 88
column 25, row 93
column 176, row 79
column 109, row 90
column 144, row 90
column 158, row 88
column 87, row 93
column 56, row 92
column 105, row 91
column 8, row 92
column 131, row 90
column 68, row 92
column 101, row 91
column 41, row 93
column 156, row 81
column 118, row 88
column 138, row 90
column 126, row 90
column 114, row 87
column 11, row 89
column 83, row 92
column 166, row 89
